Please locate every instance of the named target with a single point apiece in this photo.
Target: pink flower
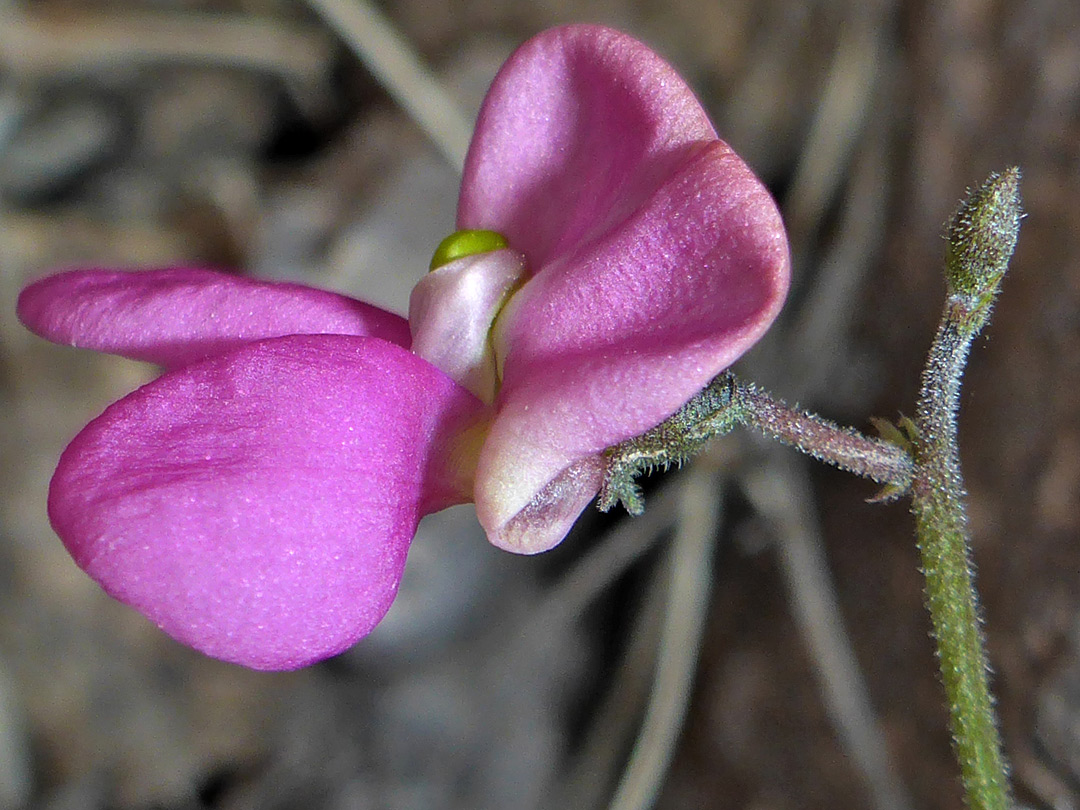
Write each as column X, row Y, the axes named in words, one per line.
column 258, row 499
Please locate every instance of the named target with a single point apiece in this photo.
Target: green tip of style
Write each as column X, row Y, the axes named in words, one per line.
column 982, row 236
column 466, row 243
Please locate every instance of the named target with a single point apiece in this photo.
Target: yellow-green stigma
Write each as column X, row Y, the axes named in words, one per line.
column 466, row 243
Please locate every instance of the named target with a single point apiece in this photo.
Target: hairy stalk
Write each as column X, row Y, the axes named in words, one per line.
column 879, row 460
column 723, row 405
column 942, row 530
column 981, row 236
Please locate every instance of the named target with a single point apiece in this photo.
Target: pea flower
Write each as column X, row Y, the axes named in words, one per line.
column 257, row 500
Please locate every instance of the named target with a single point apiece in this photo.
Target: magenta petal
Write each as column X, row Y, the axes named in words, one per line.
column 182, row 315
column 580, row 125
column 608, row 341
column 259, row 506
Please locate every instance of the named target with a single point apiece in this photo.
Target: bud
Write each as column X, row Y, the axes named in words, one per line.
column 982, row 236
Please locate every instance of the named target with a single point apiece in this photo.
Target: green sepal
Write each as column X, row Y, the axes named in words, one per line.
column 888, row 494
column 714, row 411
column 904, row 433
column 907, row 424
column 889, row 432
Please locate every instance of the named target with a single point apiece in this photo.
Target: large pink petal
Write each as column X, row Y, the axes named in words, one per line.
column 182, row 315
column 579, row 127
column 609, row 340
column 259, row 505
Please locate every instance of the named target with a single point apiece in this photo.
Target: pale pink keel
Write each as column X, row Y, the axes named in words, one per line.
column 451, row 312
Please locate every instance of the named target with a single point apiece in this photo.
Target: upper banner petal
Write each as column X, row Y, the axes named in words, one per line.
column 611, row 339
column 259, row 505
column 182, row 315
column 580, row 125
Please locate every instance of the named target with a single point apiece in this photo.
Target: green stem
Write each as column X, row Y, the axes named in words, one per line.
column 981, row 238
column 937, row 503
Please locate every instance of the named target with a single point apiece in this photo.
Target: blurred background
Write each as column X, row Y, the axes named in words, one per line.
column 760, row 597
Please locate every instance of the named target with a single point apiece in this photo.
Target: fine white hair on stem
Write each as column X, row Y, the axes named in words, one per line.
column 395, row 63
